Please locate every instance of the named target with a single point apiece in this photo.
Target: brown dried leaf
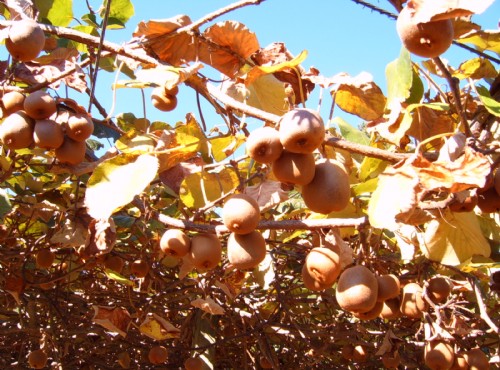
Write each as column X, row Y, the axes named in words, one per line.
column 392, row 126
column 70, row 235
column 114, row 319
column 428, row 122
column 208, row 305
column 102, row 237
column 426, row 11
column 267, row 194
column 173, row 176
column 346, row 253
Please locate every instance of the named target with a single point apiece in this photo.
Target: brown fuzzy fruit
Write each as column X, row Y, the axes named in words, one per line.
column 12, row 102
column 391, row 309
column 301, row 130
column 412, row 301
column 496, row 181
column 438, row 355
column 206, row 251
column 477, row 359
column 265, row 363
column 241, row 213
column 40, row 105
column 48, row 134
column 45, row 258
column 264, row 145
column 438, row 289
column 16, row 131
column 37, row 359
column 372, row 314
column 114, row 263
column 163, row 101
column 193, row 363
column 459, row 363
column 157, row 355
column 347, row 351
column 294, row 168
column 329, row 191
column 359, row 354
column 489, row 201
column 140, row 268
column 25, row 40
column 71, row 151
column 322, row 265
column 391, row 360
column 175, row 242
column 388, row 287
column 357, row 289
column 246, row 251
column 429, row 40
column 79, row 127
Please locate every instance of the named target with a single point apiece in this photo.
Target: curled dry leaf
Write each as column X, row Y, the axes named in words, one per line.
column 345, row 251
column 102, row 237
column 157, row 328
column 71, row 235
column 267, row 194
column 426, row 11
column 208, row 305
column 114, row 319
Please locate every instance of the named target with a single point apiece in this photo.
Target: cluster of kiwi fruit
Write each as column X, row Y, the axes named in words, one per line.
column 164, row 99
column 427, row 39
column 324, row 183
column 33, row 120
column 440, row 355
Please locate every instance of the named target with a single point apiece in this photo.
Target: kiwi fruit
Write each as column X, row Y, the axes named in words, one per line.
column 489, row 201
column 45, row 258
column 438, row 289
column 25, row 40
column 140, row 268
column 265, row 363
column 246, row 251
column 71, row 152
column 206, row 251
column 12, row 101
column 322, row 265
column 114, row 263
column 477, row 359
column 438, row 355
column 175, row 242
column 346, row 351
column 391, row 360
column 301, row 130
column 40, row 105
column 48, row 134
column 371, row 314
column 163, row 101
column 37, row 359
column 79, row 127
column 193, row 363
column 264, row 145
column 16, row 131
column 157, row 355
column 357, row 289
column 391, row 309
column 459, row 363
column 496, row 181
column 294, row 168
column 429, row 39
column 412, row 301
column 240, row 213
column 329, row 191
column 359, row 353
column 388, row 287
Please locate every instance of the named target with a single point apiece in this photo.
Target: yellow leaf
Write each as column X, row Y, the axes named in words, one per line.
column 132, row 143
column 483, row 40
column 268, row 94
column 157, row 328
column 113, row 275
column 455, row 238
column 224, row 146
column 258, row 71
column 476, row 68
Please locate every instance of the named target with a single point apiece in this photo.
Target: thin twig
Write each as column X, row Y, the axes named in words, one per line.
column 482, row 307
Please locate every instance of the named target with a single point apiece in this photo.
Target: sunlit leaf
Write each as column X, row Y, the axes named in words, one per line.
column 368, row 186
column 490, row 104
column 483, row 40
column 85, row 29
column 132, row 143
column 224, row 146
column 70, row 235
column 5, row 206
column 258, row 71
column 57, row 12
column 454, row 238
column 268, row 194
column 116, row 181
column 208, row 305
column 114, row 319
column 426, row 11
column 268, row 93
column 351, row 133
column 157, row 328
column 264, row 274
column 120, row 12
column 399, row 76
column 113, row 275
column 476, row 68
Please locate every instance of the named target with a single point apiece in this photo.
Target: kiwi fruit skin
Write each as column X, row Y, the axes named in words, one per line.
column 477, row 359
column 412, row 301
column 175, row 242
column 71, row 152
column 391, row 360
column 140, row 268
column 294, row 168
column 79, row 127
column 37, row 359
column 40, row 105
column 329, row 191
column 428, row 40
column 438, row 355
column 114, row 263
column 371, row 314
column 16, row 131
column 264, row 145
column 301, row 130
column 357, row 289
column 322, row 265
column 246, row 251
column 25, row 40
column 157, row 355
column 12, row 102
column 388, row 287
column 206, row 251
column 391, row 309
column 163, row 101
column 193, row 363
column 241, row 213
column 438, row 289
column 48, row 134
column 489, row 201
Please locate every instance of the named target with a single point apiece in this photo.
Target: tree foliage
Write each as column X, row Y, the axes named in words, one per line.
column 423, row 202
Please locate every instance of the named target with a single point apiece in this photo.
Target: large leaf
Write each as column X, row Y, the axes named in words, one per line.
column 476, row 68
column 426, row 11
column 262, row 70
column 116, row 181
column 454, row 239
column 114, row 319
column 399, row 76
column 483, row 40
column 120, row 12
column 157, row 328
column 490, row 104
column 57, row 12
column 351, row 133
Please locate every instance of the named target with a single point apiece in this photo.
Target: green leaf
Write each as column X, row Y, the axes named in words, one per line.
column 351, row 133
column 399, row 75
column 489, row 103
column 57, row 12
column 85, row 29
column 121, row 11
column 417, row 89
column 5, row 206
column 116, row 181
column 113, row 275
